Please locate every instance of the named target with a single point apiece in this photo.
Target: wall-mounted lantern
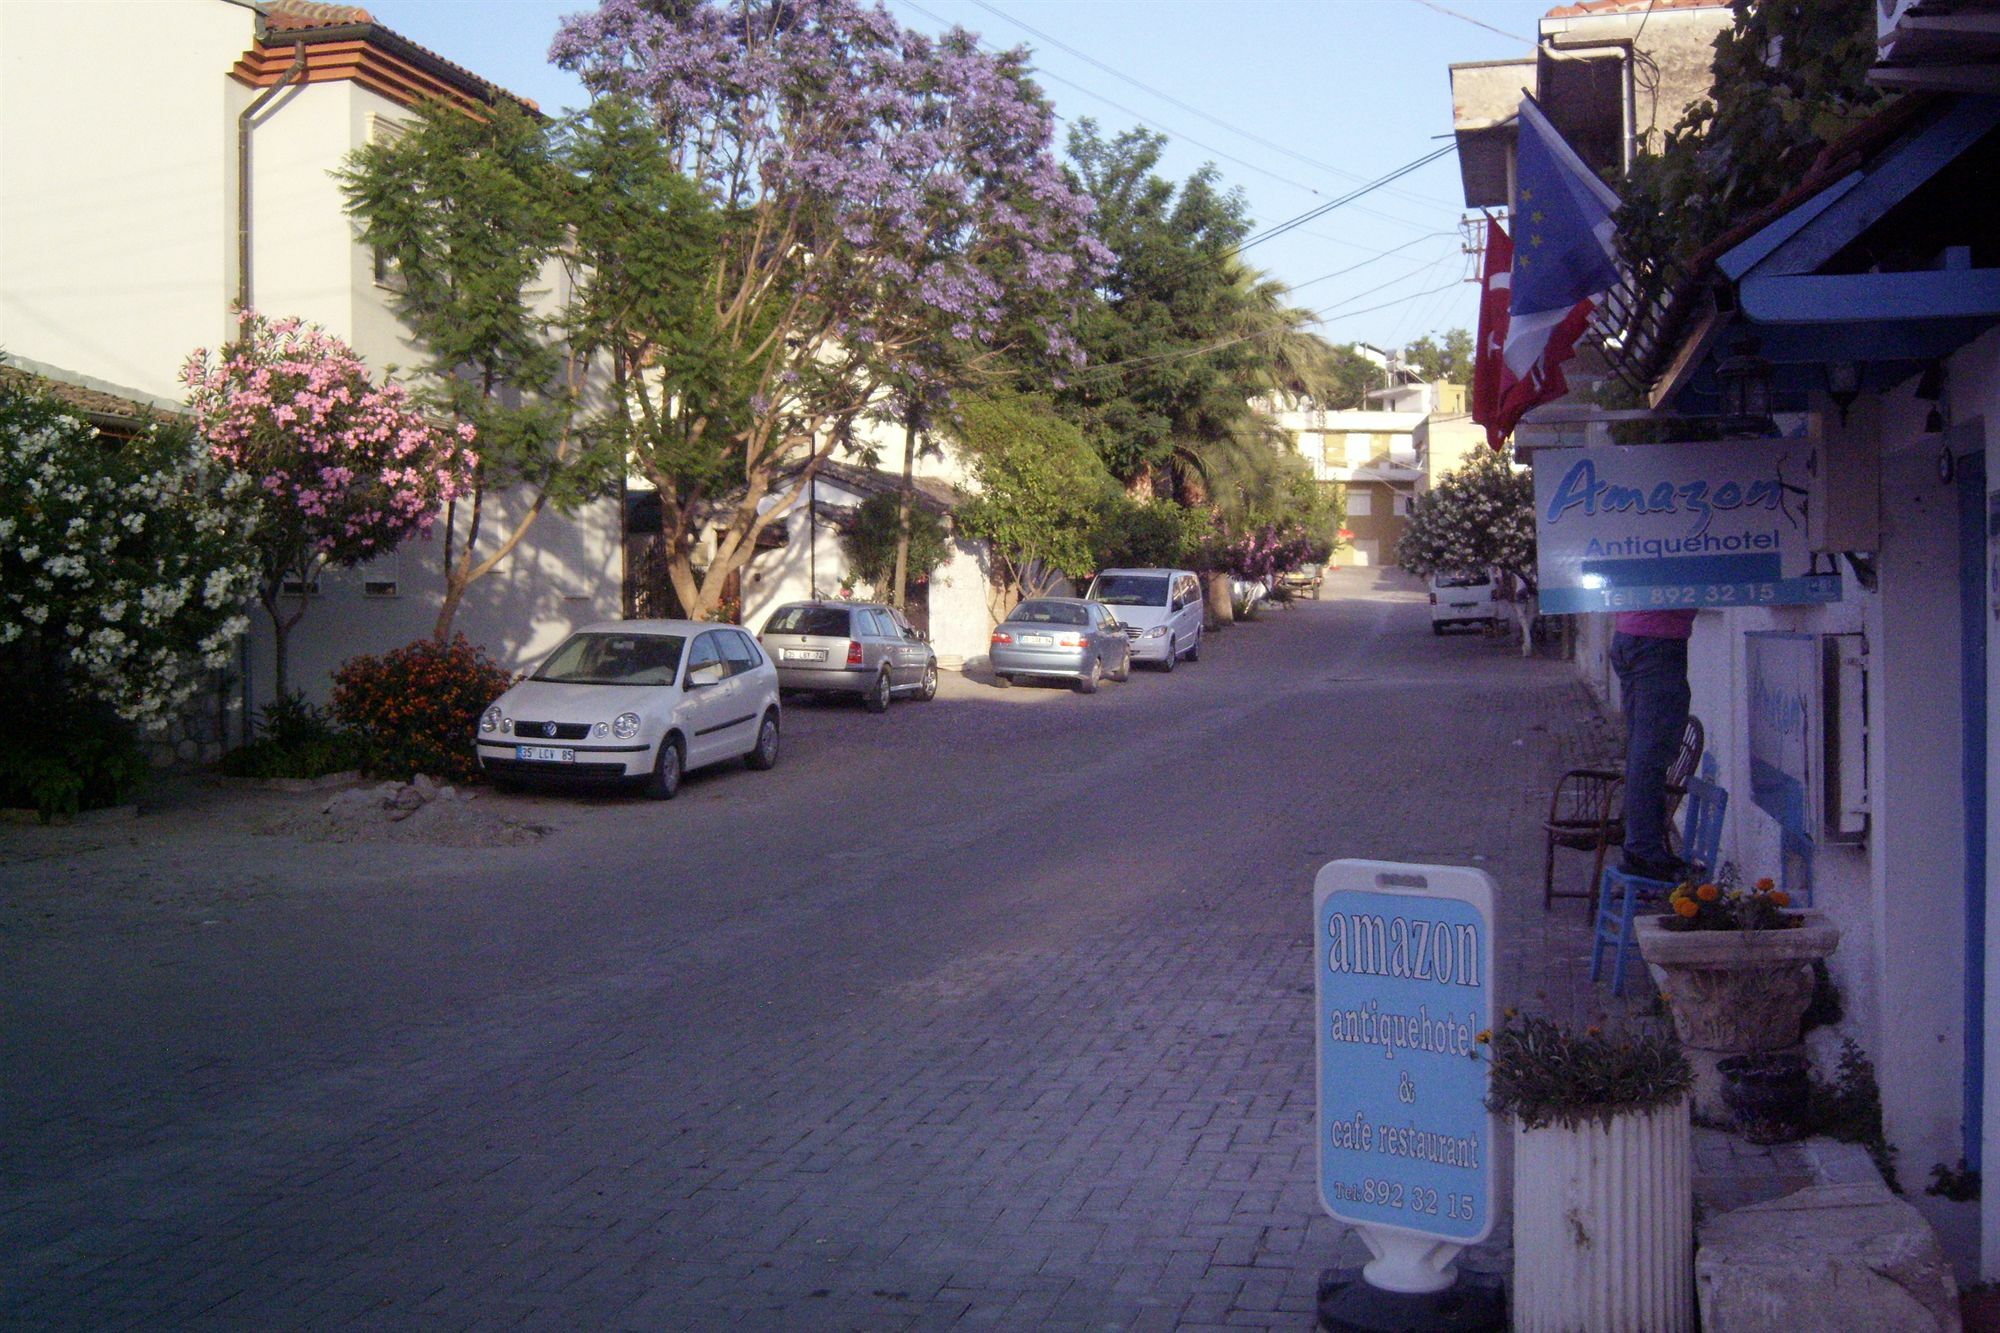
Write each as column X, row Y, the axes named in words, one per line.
column 1745, row 378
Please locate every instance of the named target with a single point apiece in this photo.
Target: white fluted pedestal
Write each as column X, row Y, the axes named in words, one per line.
column 1604, row 1226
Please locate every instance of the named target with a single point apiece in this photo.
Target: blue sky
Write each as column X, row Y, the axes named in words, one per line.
column 1295, row 101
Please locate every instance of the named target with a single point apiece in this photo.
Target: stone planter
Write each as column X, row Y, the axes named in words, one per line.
column 1733, row 991
column 1604, row 1225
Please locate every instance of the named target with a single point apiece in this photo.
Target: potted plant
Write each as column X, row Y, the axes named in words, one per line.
column 1735, row 969
column 1603, row 1193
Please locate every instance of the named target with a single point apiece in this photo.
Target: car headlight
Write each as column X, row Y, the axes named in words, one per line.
column 600, row 730
column 490, row 719
column 626, row 726
column 1157, row 632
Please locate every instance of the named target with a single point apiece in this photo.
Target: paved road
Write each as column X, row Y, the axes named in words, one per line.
column 990, row 1012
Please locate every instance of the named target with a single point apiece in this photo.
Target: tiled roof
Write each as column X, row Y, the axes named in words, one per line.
column 293, row 15
column 1591, row 8
column 100, row 407
column 376, row 56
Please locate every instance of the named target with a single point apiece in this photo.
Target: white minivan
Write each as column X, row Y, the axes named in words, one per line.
column 1161, row 610
column 1462, row 597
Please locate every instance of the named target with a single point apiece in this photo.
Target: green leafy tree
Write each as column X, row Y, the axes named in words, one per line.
column 1450, row 360
column 872, row 537
column 1040, row 486
column 1788, row 78
column 889, row 215
column 473, row 218
column 1147, row 534
column 1350, row 377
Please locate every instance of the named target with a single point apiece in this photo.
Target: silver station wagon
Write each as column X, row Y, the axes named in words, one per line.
column 1061, row 638
column 635, row 701
column 863, row 649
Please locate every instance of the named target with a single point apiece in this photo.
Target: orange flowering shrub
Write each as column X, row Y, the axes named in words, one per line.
column 1723, row 906
column 417, row 707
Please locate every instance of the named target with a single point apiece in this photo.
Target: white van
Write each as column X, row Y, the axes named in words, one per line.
column 1462, row 597
column 1161, row 610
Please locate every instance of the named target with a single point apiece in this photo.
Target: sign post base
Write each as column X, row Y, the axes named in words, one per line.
column 1349, row 1303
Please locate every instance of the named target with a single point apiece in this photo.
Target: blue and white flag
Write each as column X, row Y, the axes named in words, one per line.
column 1563, row 252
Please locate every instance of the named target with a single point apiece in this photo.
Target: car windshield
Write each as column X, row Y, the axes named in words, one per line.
column 1047, row 613
column 1129, row 590
column 614, row 659
column 829, row 622
column 1462, row 580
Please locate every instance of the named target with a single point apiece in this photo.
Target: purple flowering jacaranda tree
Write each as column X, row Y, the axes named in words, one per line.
column 344, row 470
column 889, row 212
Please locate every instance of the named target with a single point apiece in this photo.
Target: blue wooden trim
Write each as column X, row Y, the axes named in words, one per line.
column 1891, row 178
column 1972, row 705
column 1741, row 259
column 1845, row 298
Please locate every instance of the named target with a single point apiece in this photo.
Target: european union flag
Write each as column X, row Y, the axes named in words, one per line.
column 1562, row 241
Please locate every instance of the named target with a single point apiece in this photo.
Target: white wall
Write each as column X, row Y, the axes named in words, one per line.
column 117, row 216
column 118, row 241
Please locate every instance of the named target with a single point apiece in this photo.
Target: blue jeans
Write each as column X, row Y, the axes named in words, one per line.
column 1653, row 683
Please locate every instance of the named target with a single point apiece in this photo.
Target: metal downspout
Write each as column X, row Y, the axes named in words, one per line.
column 243, row 127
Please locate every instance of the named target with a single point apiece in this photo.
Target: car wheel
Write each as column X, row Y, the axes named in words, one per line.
column 1194, row 649
column 1173, row 655
column 1124, row 671
column 765, row 753
column 928, row 690
column 668, row 770
column 877, row 698
column 1087, row 682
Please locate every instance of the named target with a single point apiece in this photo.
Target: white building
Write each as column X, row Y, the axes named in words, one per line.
column 133, row 221
column 1868, row 299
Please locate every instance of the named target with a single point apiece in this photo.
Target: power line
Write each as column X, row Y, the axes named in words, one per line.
column 1477, row 23
column 1155, row 125
column 1172, row 100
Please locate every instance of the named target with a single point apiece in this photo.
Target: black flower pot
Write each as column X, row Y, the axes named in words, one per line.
column 1767, row 1093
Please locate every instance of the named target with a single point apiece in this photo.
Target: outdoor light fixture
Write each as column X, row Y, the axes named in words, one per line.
column 1745, row 378
column 1931, row 389
column 1843, row 385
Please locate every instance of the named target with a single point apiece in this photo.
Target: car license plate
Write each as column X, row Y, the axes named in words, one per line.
column 1036, row 640
column 805, row 654
column 544, row 754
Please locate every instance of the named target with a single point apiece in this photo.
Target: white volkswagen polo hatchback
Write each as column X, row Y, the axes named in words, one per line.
column 635, row 701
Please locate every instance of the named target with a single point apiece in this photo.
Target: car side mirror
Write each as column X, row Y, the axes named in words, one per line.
column 708, row 673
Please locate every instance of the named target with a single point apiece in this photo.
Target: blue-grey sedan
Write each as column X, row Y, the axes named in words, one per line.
column 1061, row 638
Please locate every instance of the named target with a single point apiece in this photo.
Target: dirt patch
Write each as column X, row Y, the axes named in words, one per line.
column 421, row 811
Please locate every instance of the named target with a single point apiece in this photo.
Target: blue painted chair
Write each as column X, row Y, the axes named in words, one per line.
column 1621, row 896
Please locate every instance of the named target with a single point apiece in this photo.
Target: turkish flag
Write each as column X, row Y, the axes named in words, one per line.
column 1491, row 380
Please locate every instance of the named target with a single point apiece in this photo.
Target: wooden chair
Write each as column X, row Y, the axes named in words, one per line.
column 1587, row 813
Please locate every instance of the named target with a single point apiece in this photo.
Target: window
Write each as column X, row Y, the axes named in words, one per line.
column 706, row 652
column 1333, row 448
column 1360, row 504
column 829, row 622
column 738, row 652
column 1402, row 505
column 614, row 659
column 382, row 576
column 1130, row 589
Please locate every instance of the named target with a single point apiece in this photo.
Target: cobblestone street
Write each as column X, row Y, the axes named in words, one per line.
column 989, row 1012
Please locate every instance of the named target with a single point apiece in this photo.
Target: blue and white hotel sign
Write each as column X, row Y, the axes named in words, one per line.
column 1659, row 526
column 1403, row 971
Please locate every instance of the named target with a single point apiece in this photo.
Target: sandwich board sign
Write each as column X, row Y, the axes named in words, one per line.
column 1403, row 986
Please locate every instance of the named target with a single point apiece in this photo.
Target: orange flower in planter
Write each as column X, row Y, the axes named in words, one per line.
column 1708, row 893
column 1766, row 884
column 1686, row 906
column 1779, row 898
